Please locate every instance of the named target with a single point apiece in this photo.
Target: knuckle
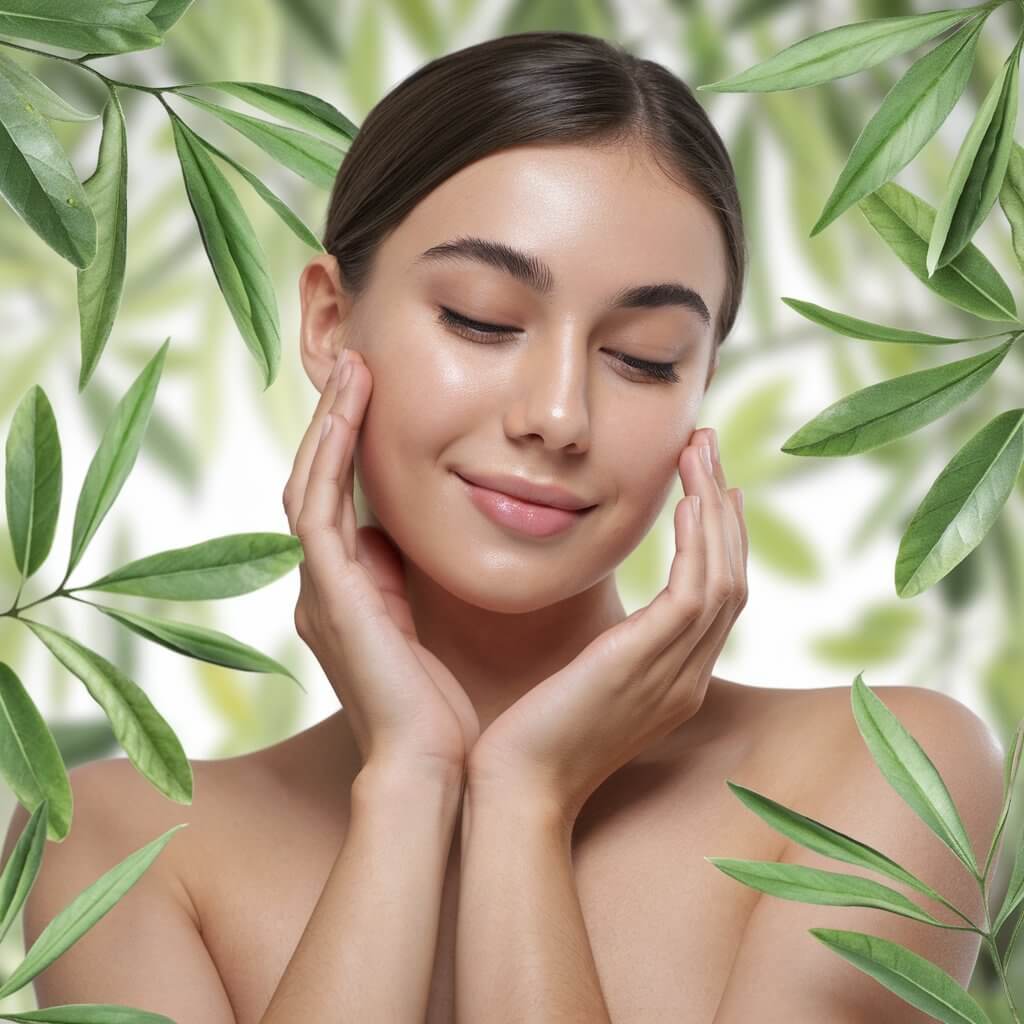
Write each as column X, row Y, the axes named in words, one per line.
column 691, row 608
column 721, row 588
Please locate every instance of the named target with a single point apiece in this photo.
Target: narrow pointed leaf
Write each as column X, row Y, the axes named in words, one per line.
column 962, row 505
column 841, row 51
column 1011, row 199
column 33, row 480
column 285, row 212
column 39, row 95
column 812, row 885
column 148, row 740
column 101, row 283
column 198, row 642
column 88, row 907
column 822, row 839
column 235, row 253
column 298, row 108
column 909, row 770
column 904, row 222
column 913, row 978
column 37, row 179
column 222, row 567
column 910, row 114
column 22, row 867
column 166, row 13
column 312, row 158
column 979, row 169
column 88, row 1013
column 96, row 26
column 1014, row 890
column 882, row 412
column 115, row 456
column 29, row 758
column 853, row 327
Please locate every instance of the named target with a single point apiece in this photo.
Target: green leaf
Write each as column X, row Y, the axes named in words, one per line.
column 911, row 113
column 29, row 758
column 909, row 770
column 150, row 743
column 962, row 504
column 115, row 456
column 913, row 978
column 822, row 839
column 37, row 178
column 1014, row 890
column 312, row 158
column 1011, row 199
column 840, row 51
column 97, row 26
column 100, row 285
column 779, row 543
column 89, row 1013
column 298, row 108
column 904, row 222
column 882, row 631
column 166, row 12
column 33, row 480
column 234, row 251
column 812, row 885
column 22, row 867
column 979, row 169
column 285, row 212
column 853, row 327
column 222, row 567
column 882, row 412
column 198, row 642
column 47, row 103
column 84, row 911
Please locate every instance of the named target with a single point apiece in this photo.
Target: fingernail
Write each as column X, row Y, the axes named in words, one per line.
column 695, row 505
column 346, row 372
column 714, row 444
column 336, row 366
column 326, row 429
column 705, row 454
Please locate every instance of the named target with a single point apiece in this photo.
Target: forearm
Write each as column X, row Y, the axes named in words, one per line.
column 367, row 953
column 522, row 951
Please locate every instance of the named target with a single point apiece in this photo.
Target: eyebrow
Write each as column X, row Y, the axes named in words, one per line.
column 537, row 275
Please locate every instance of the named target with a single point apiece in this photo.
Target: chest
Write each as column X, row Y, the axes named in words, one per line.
column 664, row 924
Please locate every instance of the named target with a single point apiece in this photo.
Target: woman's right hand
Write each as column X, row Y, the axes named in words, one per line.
column 405, row 708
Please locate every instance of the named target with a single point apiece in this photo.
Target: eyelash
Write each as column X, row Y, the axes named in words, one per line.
column 473, row 329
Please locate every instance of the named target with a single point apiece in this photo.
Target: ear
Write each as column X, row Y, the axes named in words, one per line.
column 325, row 307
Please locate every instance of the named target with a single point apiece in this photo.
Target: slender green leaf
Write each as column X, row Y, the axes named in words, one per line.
column 115, row 456
column 913, row 978
column 1014, row 890
column 904, row 222
column 100, row 284
column 33, row 480
column 882, row 412
column 292, row 105
column 1011, row 199
column 29, row 758
column 779, row 543
column 312, row 158
column 198, row 642
column 878, row 634
column 22, row 867
column 979, row 169
column 166, row 12
column 148, row 740
column 962, row 504
column 235, row 253
column 911, row 113
column 39, row 95
column 909, row 770
column 97, row 26
column 84, row 911
column 840, row 51
column 821, row 838
column 88, row 1013
column 37, row 178
column 222, row 567
column 812, row 885
column 298, row 227
column 853, row 327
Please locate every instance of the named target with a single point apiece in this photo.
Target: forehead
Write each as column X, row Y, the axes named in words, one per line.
column 600, row 217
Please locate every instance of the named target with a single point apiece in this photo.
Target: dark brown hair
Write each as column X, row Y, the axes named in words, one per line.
column 513, row 90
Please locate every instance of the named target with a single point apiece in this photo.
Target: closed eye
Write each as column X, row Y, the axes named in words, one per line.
column 497, row 333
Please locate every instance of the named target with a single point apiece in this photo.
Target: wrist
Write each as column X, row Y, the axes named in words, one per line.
column 382, row 780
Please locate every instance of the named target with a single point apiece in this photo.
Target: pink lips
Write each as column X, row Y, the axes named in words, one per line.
column 523, row 516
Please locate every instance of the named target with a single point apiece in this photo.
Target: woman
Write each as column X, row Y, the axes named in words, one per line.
column 534, row 252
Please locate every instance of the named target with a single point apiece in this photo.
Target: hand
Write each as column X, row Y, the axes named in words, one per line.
column 636, row 682
column 353, row 612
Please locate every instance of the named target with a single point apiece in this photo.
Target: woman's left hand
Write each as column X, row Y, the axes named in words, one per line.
column 636, row 682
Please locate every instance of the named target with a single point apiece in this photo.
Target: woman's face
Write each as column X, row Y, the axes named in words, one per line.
column 553, row 400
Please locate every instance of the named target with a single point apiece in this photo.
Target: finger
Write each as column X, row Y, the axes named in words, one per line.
column 352, row 405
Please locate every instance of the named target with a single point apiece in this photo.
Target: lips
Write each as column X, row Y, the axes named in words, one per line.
column 522, row 489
